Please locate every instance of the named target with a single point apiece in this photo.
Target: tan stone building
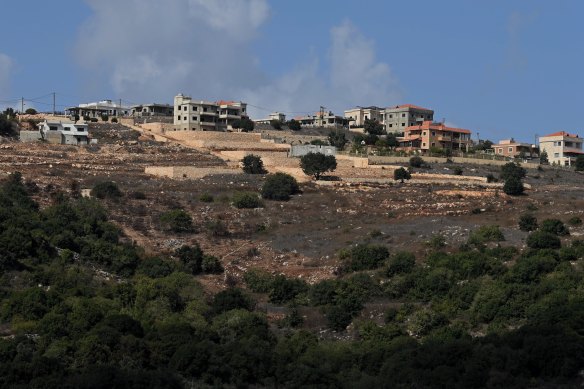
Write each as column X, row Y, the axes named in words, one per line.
column 358, row 115
column 513, row 149
column 397, row 119
column 200, row 115
column 273, row 116
column 428, row 135
column 561, row 147
column 323, row 119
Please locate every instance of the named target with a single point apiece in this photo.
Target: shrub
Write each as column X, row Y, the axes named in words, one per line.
column 512, row 169
column 211, row 265
column 513, row 186
column 579, row 165
column 543, row 240
column 177, row 220
column 401, row 262
column 527, row 222
column 491, row 178
column 229, row 299
column 106, row 190
column 294, row 125
column 154, row 267
column 315, row 164
column 104, row 118
column 216, row 228
column 246, row 200
column 575, row 221
column 279, row 186
column 364, row 257
column 286, row 289
column 252, row 164
column 416, row 161
column 258, row 281
column 401, row 174
column 191, row 258
column 206, row 198
column 114, row 120
column 457, row 171
column 30, row 111
column 137, row 195
column 486, row 234
column 554, row 226
column 276, row 124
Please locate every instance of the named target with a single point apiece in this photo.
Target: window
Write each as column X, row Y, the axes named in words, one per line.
column 391, row 125
column 195, row 109
column 403, row 124
column 391, row 116
column 178, row 118
column 178, row 108
column 194, row 118
column 53, row 128
column 403, row 115
column 80, row 129
column 185, row 108
column 204, row 109
column 433, row 133
column 66, row 128
column 556, row 155
column 433, row 144
column 423, row 144
column 185, row 118
column 510, row 149
column 424, row 133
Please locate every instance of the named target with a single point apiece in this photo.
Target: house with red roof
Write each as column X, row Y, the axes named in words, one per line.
column 512, row 148
column 562, row 148
column 428, row 135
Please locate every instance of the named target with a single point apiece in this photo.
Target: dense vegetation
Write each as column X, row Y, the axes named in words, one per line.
column 80, row 308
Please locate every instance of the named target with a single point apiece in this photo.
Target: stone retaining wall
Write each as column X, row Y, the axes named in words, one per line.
column 188, row 172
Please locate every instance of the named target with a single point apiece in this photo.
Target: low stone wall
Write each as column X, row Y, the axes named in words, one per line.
column 188, row 172
column 477, row 161
column 379, row 160
column 290, row 137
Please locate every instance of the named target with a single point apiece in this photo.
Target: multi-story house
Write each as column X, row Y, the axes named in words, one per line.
column 397, row 119
column 513, row 149
column 273, row 116
column 98, row 109
column 323, row 119
column 165, row 110
column 64, row 132
column 357, row 116
column 199, row 115
column 561, row 147
column 428, row 135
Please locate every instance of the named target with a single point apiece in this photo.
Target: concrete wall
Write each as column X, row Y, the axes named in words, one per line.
column 188, row 172
column 301, row 150
column 30, row 136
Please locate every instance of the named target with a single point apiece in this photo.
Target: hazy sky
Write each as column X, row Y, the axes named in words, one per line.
column 498, row 67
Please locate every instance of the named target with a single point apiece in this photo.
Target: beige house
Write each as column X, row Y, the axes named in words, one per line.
column 357, row 116
column 273, row 116
column 397, row 119
column 199, row 115
column 323, row 119
column 428, row 135
column 513, row 149
column 561, row 147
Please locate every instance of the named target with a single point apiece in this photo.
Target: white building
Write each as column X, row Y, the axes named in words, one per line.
column 64, row 132
column 357, row 116
column 199, row 115
column 273, row 116
column 99, row 109
column 561, row 147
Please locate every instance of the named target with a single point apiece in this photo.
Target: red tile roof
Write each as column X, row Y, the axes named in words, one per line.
column 428, row 125
column 224, row 102
column 412, row 106
column 562, row 133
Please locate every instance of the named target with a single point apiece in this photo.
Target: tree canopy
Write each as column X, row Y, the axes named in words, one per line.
column 315, row 164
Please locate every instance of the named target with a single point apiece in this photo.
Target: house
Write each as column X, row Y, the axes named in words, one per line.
column 358, row 115
column 513, row 149
column 273, row 116
column 64, row 132
column 397, row 119
column 98, row 109
column 200, row 115
column 323, row 119
column 429, row 135
column 153, row 109
column 561, row 147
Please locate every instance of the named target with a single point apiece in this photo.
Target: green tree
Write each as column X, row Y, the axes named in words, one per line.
column 253, row 164
column 246, row 200
column 373, row 127
column 245, row 124
column 416, row 161
column 294, row 125
column 31, row 111
column 513, row 186
column 528, row 222
column 555, row 226
column 543, row 240
column 579, row 165
column 391, row 141
column 229, row 299
column 337, row 139
column 543, row 158
column 106, row 190
column 401, row 174
column 279, row 186
column 276, row 124
column 512, row 169
column 315, row 164
column 177, row 220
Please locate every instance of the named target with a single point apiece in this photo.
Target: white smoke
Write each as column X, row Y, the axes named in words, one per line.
column 6, row 65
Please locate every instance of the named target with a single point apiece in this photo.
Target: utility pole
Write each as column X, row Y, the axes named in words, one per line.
column 22, row 105
column 54, row 105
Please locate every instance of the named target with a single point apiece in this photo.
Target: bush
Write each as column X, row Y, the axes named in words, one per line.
column 527, row 222
column 258, row 281
column 276, row 124
column 279, row 186
column 114, row 120
column 513, row 186
column 491, row 178
column 206, row 198
column 364, row 257
column 286, row 289
column 216, row 228
column 104, row 118
column 294, row 125
column 316, row 164
column 211, row 265
column 229, row 299
column 416, row 161
column 457, row 171
column 401, row 174
column 512, row 169
column 252, row 164
column 137, row 195
column 402, row 262
column 554, row 226
column 579, row 165
column 177, row 220
column 575, row 221
column 486, row 234
column 246, row 200
column 106, row 190
column 30, row 111
column 543, row 240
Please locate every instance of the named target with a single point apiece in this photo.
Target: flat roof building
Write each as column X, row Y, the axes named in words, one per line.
column 561, row 147
column 98, row 109
column 397, row 119
column 513, row 149
column 200, row 115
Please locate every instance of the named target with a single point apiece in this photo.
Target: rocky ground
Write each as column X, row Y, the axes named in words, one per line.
column 299, row 238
